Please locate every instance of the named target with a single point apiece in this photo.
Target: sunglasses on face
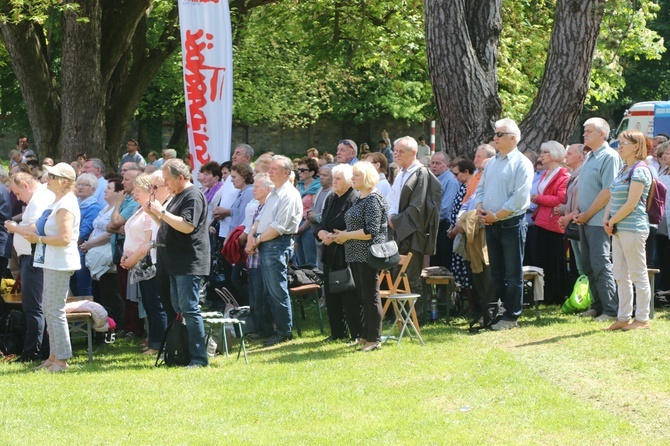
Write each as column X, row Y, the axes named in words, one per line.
column 501, row 134
column 303, row 170
column 52, row 176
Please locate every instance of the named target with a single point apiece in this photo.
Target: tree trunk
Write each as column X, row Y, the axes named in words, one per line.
column 37, row 84
column 462, row 44
column 567, row 72
column 83, row 118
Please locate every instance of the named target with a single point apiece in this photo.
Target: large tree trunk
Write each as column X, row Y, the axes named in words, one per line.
column 38, row 86
column 462, row 44
column 567, row 72
column 83, row 117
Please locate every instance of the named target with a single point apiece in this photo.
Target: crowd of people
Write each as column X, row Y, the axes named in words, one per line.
column 145, row 240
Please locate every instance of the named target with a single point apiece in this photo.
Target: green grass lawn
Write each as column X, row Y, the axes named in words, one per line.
column 559, row 380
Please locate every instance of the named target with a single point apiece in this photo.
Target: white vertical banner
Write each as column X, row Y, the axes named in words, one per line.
column 207, row 55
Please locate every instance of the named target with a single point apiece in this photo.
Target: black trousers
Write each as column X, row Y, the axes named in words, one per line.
column 32, row 283
column 551, row 249
column 445, row 247
column 106, row 293
column 367, row 292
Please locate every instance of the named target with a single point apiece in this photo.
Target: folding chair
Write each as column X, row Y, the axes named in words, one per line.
column 403, row 300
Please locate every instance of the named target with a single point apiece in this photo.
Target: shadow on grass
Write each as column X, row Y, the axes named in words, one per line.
column 559, row 338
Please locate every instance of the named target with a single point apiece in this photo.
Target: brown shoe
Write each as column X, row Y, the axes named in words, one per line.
column 637, row 325
column 618, row 325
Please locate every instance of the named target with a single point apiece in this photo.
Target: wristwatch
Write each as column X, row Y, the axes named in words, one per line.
column 495, row 215
column 258, row 239
column 162, row 214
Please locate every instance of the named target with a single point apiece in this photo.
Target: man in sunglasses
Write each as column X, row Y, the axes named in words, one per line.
column 501, row 200
column 346, row 152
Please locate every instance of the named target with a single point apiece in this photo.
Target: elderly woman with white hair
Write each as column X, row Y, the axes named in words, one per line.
column 344, row 310
column 551, row 192
column 81, row 283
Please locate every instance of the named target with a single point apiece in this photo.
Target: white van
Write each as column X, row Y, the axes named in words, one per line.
column 651, row 118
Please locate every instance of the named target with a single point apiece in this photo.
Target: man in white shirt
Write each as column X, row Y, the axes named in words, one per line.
column 38, row 197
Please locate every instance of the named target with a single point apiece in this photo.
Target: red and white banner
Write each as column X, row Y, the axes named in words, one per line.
column 207, row 54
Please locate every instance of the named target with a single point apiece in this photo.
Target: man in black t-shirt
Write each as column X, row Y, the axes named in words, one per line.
column 183, row 250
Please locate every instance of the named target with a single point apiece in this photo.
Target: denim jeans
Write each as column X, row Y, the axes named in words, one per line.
column 506, row 241
column 81, row 283
column 305, row 251
column 275, row 255
column 156, row 316
column 185, row 291
column 260, row 311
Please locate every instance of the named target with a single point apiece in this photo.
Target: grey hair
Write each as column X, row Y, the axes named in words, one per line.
column 248, row 150
column 286, row 163
column 264, row 178
column 88, row 178
column 327, row 167
column 600, row 124
column 490, row 151
column 408, row 142
column 98, row 164
column 556, row 150
column 346, row 170
column 510, row 125
column 171, row 152
column 176, row 167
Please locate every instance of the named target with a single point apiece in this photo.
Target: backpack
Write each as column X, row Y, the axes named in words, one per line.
column 174, row 350
column 655, row 204
column 304, row 276
column 12, row 330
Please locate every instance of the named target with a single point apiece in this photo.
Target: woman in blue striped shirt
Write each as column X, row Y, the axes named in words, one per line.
column 627, row 222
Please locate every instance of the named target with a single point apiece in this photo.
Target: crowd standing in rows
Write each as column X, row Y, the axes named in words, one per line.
column 97, row 233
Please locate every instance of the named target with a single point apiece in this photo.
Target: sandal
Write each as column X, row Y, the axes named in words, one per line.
column 57, row 368
column 45, row 365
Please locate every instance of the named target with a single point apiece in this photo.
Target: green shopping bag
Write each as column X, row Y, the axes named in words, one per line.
column 580, row 299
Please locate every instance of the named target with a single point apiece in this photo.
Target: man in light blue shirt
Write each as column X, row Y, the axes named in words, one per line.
column 501, row 200
column 595, row 176
column 439, row 166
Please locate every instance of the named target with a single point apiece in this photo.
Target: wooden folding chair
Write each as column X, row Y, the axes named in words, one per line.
column 398, row 286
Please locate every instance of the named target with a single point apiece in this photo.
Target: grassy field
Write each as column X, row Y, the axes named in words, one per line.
column 559, row 380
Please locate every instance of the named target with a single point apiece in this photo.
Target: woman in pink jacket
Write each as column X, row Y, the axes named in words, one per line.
column 551, row 246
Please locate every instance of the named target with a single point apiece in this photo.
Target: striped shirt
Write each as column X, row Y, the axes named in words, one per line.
column 597, row 173
column 637, row 220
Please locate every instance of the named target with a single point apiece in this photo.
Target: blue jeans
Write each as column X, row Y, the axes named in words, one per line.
column 185, row 291
column 506, row 241
column 81, row 283
column 156, row 316
column 275, row 255
column 306, row 250
column 260, row 311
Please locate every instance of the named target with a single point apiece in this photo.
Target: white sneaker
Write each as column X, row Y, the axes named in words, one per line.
column 589, row 313
column 604, row 318
column 504, row 325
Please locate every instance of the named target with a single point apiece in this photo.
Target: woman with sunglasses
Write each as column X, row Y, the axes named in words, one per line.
column 141, row 232
column 627, row 222
column 57, row 232
column 308, row 186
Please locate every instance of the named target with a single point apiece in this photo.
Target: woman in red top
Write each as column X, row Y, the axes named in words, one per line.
column 551, row 247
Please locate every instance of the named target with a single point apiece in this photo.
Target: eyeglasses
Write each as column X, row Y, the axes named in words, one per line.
column 346, row 142
column 544, row 151
column 83, row 185
column 52, row 176
column 303, row 170
column 625, row 143
column 501, row 134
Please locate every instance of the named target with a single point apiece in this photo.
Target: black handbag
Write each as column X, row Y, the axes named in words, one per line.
column 341, row 280
column 383, row 255
column 174, row 349
column 572, row 231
